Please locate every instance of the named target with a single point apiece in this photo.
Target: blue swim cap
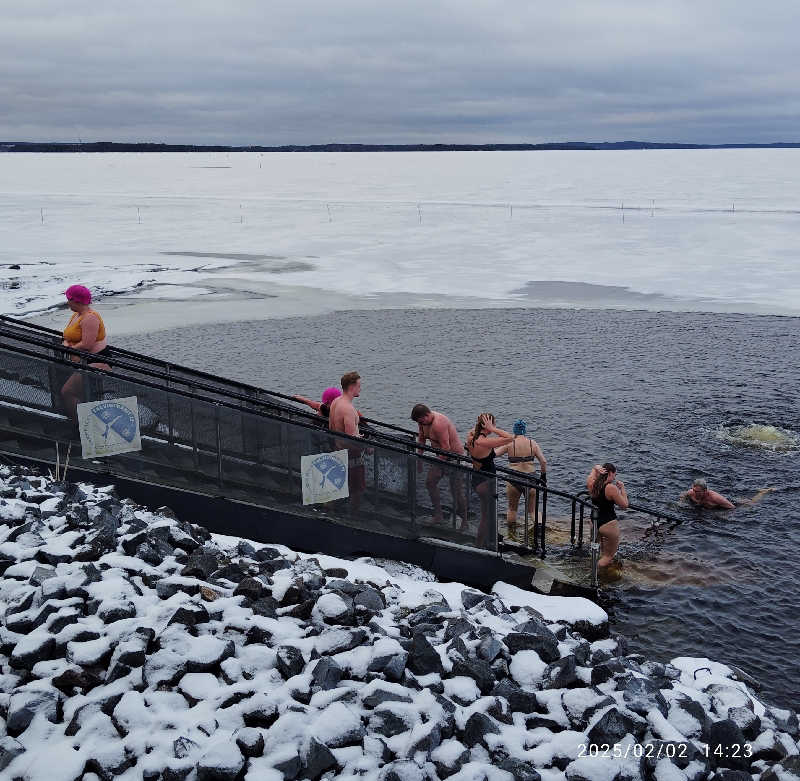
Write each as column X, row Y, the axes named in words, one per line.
column 520, row 427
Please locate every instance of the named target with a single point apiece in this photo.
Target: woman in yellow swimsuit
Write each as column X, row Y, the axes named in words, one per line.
column 85, row 331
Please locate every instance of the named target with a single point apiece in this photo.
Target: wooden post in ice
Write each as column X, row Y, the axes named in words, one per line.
column 41, row 212
column 652, row 207
column 622, row 206
column 138, row 215
column 511, row 211
column 330, row 216
column 419, row 212
column 241, row 216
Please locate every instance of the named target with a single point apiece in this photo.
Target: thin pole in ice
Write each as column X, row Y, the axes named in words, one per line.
column 41, row 212
column 419, row 212
column 511, row 211
column 652, row 207
column 622, row 207
column 330, row 216
column 138, row 215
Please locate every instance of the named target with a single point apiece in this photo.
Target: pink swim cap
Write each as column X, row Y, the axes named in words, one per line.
column 79, row 294
column 329, row 394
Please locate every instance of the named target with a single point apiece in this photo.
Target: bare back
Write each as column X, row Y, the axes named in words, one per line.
column 441, row 433
column 343, row 417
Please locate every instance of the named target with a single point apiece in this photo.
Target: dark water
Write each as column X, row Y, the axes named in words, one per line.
column 656, row 393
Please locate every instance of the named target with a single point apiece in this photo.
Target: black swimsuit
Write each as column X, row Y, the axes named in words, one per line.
column 605, row 509
column 487, row 466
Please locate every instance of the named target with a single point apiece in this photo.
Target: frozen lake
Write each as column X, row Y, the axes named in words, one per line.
column 205, row 237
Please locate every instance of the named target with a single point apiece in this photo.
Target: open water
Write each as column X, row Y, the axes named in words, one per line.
column 666, row 396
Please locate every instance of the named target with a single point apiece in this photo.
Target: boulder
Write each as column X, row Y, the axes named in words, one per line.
column 250, row 741
column 289, row 661
column 221, row 761
column 560, row 674
column 535, row 638
column 423, row 657
column 614, row 724
column 478, row 726
column 24, row 705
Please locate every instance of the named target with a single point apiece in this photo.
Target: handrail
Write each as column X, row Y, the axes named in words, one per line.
column 119, row 351
column 242, row 397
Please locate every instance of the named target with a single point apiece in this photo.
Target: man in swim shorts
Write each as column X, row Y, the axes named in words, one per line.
column 344, row 418
column 700, row 495
column 440, row 430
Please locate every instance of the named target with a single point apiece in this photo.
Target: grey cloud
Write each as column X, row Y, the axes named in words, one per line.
column 471, row 71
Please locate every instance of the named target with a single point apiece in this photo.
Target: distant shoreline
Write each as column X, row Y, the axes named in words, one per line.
column 113, row 146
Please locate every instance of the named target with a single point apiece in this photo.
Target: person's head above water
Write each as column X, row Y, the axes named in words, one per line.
column 329, row 394
column 520, row 427
column 78, row 294
column 700, row 486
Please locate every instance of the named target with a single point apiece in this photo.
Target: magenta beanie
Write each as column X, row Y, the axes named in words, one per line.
column 329, row 394
column 79, row 294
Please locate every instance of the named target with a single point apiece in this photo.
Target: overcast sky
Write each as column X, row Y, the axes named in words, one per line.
column 371, row 71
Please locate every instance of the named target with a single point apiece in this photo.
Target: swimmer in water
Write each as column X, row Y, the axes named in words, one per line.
column 700, row 495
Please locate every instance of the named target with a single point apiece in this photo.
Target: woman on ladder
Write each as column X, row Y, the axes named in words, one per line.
column 480, row 445
column 522, row 452
column 607, row 493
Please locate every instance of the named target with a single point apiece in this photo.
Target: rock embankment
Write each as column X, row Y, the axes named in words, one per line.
column 135, row 645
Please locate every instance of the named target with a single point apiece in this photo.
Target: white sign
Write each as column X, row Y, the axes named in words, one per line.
column 109, row 427
column 324, row 477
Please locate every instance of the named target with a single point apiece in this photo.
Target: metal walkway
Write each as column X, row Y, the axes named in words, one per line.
column 225, row 439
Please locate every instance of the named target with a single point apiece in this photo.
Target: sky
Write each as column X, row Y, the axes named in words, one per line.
column 418, row 71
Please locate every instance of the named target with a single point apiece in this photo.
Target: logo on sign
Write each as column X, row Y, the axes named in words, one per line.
column 330, row 469
column 116, row 418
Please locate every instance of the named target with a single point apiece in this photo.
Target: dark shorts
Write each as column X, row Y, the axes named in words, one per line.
column 103, row 355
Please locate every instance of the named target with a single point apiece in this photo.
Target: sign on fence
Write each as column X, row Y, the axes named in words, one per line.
column 324, row 477
column 109, row 427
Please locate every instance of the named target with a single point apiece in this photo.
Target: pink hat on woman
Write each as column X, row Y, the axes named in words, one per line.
column 79, row 294
column 329, row 394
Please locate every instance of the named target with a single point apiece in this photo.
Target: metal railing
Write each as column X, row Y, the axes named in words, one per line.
column 224, row 425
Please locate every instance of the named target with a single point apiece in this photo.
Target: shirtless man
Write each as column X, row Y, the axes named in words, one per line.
column 344, row 417
column 700, row 495
column 441, row 432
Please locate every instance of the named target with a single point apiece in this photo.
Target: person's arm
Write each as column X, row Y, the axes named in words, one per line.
column 720, row 501
column 593, row 476
column 315, row 405
column 539, row 456
column 502, row 450
column 616, row 493
column 501, row 437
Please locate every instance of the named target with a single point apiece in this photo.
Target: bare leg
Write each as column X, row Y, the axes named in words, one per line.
column 72, row 395
column 485, row 494
column 435, row 474
column 609, row 542
column 511, row 517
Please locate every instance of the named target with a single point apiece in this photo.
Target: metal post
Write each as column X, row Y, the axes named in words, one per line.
column 536, row 522
column 493, row 519
column 375, row 486
column 595, row 547
column 580, row 528
column 412, row 492
column 219, row 443
column 544, row 518
column 572, row 527
column 525, row 495
column 194, row 434
column 170, row 437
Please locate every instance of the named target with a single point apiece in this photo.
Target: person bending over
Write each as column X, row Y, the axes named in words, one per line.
column 441, row 431
column 607, row 493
